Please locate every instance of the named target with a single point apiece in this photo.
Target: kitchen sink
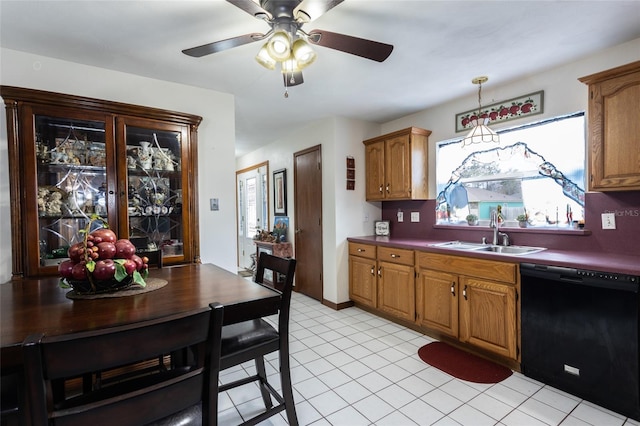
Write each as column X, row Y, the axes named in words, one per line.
column 505, row 250
column 460, row 245
column 514, row 250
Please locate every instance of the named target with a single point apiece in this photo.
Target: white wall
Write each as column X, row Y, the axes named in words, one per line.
column 216, row 138
column 342, row 211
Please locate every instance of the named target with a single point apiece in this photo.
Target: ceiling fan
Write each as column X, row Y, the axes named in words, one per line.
column 287, row 44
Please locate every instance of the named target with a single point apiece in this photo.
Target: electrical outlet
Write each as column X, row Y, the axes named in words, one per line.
column 608, row 221
column 415, row 216
column 400, row 217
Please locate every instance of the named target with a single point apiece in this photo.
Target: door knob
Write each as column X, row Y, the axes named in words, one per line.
column 298, row 230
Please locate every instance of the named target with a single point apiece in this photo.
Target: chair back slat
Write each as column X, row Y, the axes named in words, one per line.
column 134, row 401
column 285, row 267
column 79, row 353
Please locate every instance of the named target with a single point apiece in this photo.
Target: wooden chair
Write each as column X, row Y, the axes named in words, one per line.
column 252, row 340
column 146, row 398
column 9, row 398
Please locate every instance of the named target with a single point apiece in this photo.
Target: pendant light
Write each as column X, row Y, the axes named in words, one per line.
column 480, row 133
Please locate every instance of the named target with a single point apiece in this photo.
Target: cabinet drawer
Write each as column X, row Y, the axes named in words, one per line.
column 363, row 250
column 481, row 268
column 400, row 256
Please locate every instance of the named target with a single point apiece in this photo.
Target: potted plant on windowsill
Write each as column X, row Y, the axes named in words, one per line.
column 472, row 219
column 523, row 220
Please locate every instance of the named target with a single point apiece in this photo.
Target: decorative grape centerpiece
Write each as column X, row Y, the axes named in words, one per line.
column 102, row 262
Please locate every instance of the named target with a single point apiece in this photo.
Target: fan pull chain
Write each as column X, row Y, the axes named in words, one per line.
column 286, row 87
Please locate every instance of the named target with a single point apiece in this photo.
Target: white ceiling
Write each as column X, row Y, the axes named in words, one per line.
column 439, row 47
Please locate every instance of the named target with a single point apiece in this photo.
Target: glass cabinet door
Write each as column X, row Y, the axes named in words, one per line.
column 72, row 163
column 156, row 187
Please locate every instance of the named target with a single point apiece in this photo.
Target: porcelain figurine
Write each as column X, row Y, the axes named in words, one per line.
column 145, row 155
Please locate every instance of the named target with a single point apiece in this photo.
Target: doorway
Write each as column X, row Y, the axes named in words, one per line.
column 252, row 196
column 307, row 178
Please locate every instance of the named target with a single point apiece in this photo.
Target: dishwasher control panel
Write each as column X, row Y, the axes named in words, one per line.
column 588, row 277
column 608, row 276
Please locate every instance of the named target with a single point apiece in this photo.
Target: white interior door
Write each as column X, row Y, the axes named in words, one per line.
column 252, row 211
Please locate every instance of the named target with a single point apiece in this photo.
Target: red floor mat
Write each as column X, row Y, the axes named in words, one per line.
column 461, row 364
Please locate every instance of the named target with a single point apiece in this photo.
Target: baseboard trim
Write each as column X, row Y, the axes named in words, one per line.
column 337, row 306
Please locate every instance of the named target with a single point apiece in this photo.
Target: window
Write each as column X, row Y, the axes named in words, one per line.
column 536, row 171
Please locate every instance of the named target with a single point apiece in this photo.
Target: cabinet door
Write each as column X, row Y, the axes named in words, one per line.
column 437, row 301
column 154, row 204
column 362, row 280
column 396, row 290
column 488, row 316
column 398, row 167
column 375, row 168
column 613, row 134
column 73, row 178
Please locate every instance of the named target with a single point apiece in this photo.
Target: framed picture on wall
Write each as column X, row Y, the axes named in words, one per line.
column 280, row 192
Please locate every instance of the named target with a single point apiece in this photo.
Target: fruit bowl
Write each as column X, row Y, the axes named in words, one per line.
column 103, row 286
column 102, row 263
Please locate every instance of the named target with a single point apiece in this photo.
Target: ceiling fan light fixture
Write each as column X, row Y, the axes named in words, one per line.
column 264, row 59
column 480, row 133
column 290, row 65
column 303, row 53
column 279, row 46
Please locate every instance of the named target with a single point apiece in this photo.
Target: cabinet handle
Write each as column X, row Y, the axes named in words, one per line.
column 380, row 189
column 464, row 292
column 387, row 188
column 373, row 271
column 361, row 250
column 380, row 272
column 453, row 288
column 395, row 256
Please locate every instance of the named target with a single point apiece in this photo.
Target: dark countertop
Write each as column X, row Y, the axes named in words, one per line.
column 605, row 262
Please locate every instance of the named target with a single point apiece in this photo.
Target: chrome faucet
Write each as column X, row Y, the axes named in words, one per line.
column 505, row 238
column 493, row 223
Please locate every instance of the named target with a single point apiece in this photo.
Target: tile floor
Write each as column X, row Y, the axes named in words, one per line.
column 350, row 367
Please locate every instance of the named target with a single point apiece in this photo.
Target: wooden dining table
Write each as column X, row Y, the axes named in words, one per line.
column 42, row 306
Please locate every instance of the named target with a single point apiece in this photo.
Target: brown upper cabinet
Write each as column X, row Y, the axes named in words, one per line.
column 72, row 158
column 396, row 165
column 614, row 129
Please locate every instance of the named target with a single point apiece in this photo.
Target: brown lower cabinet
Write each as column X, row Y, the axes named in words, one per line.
column 396, row 283
column 471, row 301
column 363, row 273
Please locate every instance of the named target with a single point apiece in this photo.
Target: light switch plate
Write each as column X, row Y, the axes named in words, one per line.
column 214, row 204
column 400, row 216
column 608, row 221
column 415, row 216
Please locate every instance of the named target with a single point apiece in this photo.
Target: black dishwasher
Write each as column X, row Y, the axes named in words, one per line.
column 580, row 334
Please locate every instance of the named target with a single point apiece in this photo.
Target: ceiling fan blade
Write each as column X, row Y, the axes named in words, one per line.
column 218, row 46
column 252, row 8
column 309, row 10
column 364, row 48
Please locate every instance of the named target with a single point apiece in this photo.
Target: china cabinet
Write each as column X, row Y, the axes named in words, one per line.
column 72, row 157
column 396, row 165
column 613, row 141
